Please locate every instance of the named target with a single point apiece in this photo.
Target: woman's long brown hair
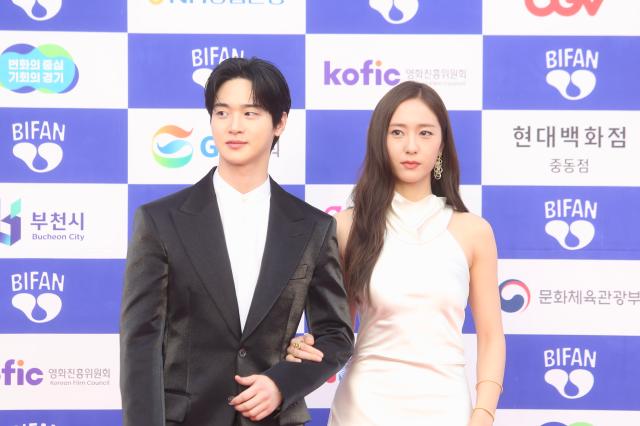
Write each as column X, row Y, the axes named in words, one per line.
column 374, row 191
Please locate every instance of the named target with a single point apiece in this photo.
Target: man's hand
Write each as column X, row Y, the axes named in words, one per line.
column 259, row 400
column 301, row 347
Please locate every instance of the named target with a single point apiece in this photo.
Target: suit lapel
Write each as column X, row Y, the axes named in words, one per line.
column 287, row 235
column 200, row 228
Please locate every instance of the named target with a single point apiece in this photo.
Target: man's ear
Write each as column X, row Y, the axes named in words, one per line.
column 281, row 125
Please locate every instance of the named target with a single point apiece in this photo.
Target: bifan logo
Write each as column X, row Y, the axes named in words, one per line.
column 14, row 373
column 571, row 234
column 367, row 75
column 14, row 222
column 37, row 144
column 563, row 8
column 579, row 381
column 39, row 10
column 571, row 71
column 395, row 11
column 46, row 305
column 207, row 58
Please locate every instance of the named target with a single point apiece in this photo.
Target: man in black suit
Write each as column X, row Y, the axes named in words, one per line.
column 218, row 276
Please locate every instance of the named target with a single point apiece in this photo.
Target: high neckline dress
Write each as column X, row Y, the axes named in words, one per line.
column 408, row 363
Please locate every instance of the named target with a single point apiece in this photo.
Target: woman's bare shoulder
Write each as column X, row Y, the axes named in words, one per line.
column 471, row 224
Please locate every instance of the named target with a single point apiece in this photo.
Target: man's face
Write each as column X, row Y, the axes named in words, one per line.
column 243, row 132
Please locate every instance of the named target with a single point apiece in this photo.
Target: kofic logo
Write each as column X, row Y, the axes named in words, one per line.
column 207, row 58
column 14, row 373
column 172, row 151
column 367, row 75
column 48, row 69
column 47, row 302
column 395, row 11
column 572, row 424
column 14, row 222
column 572, row 8
column 576, row 383
column 39, row 10
column 48, row 154
column 571, row 72
column 571, row 234
column 514, row 296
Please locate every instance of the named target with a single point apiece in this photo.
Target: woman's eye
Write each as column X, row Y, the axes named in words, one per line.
column 396, row 132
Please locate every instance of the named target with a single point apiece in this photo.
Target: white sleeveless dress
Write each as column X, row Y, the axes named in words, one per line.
column 408, row 363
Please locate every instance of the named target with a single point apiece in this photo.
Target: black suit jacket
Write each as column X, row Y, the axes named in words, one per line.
column 180, row 337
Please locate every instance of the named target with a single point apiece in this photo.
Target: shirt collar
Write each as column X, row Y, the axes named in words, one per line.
column 224, row 190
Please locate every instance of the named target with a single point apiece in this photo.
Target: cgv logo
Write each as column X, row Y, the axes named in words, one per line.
column 563, row 7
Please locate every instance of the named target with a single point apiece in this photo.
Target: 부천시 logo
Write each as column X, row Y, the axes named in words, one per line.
column 570, row 222
column 395, row 11
column 13, row 221
column 39, row 10
column 514, row 296
column 36, row 295
column 571, row 71
column 568, row 371
column 37, row 144
column 572, row 7
column 48, row 68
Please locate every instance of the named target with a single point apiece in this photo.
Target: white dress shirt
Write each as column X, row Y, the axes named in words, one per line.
column 245, row 218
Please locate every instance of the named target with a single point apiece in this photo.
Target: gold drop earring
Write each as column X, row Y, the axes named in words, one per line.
column 437, row 169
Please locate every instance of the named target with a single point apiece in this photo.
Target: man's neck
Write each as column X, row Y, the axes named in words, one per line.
column 243, row 178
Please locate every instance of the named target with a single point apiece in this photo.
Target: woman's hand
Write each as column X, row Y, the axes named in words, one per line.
column 301, row 348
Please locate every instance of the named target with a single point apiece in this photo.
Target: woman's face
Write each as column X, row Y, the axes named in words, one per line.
column 414, row 140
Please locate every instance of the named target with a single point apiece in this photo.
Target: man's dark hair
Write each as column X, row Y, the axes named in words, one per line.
column 269, row 87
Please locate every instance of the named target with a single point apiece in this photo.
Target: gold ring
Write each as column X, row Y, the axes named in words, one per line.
column 295, row 345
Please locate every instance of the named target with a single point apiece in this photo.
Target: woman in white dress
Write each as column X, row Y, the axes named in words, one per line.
column 412, row 257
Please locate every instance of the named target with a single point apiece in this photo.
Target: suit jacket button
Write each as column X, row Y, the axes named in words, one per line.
column 242, row 353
